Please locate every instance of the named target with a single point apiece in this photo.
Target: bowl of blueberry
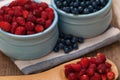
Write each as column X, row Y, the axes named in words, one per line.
column 28, row 29
column 85, row 18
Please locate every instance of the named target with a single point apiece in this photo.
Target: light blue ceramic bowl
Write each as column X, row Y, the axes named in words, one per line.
column 86, row 25
column 29, row 46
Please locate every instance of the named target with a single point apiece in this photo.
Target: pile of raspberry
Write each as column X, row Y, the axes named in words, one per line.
column 93, row 68
column 25, row 17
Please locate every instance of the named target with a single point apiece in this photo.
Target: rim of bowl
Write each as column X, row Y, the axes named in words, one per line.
column 36, row 34
column 109, row 3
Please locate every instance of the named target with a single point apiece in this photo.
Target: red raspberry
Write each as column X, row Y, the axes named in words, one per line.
column 110, row 75
column 29, row 26
column 1, row 18
column 20, row 30
column 50, row 12
column 76, row 67
column 72, row 76
column 5, row 9
column 93, row 60
column 108, row 65
column 96, row 77
column 48, row 23
column 27, row 7
column 22, row 2
column 39, row 28
column 31, row 18
column 82, row 72
column 100, row 58
column 104, row 77
column 34, row 5
column 84, row 77
column 30, row 32
column 25, row 13
column 20, row 20
column 90, row 72
column 51, row 16
column 43, row 5
column 68, row 69
column 44, row 15
column 101, row 68
column 40, row 21
column 93, row 66
column 40, row 9
column 11, row 12
column 14, row 19
column 7, row 18
column 13, row 3
column 5, row 26
column 13, row 27
column 37, row 12
column 84, row 62
column 1, row 12
column 17, row 13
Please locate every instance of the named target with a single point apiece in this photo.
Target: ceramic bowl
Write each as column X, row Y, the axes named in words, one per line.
column 29, row 46
column 86, row 25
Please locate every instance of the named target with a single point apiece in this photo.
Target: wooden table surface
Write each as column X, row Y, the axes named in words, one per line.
column 7, row 67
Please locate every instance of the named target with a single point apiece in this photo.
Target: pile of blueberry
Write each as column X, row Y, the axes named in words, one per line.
column 80, row 6
column 67, row 42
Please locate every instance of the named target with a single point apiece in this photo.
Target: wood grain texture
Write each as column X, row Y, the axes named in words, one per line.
column 7, row 67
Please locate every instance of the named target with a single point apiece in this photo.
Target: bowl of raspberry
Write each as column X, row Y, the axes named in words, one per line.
column 86, row 18
column 28, row 29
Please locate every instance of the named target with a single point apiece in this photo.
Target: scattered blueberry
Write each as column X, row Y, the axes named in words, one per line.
column 80, row 6
column 67, row 42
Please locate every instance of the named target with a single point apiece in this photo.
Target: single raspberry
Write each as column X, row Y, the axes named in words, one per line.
column 100, row 58
column 1, row 18
column 44, row 15
column 37, row 13
column 20, row 20
column 93, row 66
column 14, row 19
column 76, row 67
column 93, row 60
column 1, row 12
column 51, row 16
column 90, row 72
column 31, row 18
column 5, row 26
column 43, row 5
column 48, row 23
column 20, row 30
column 7, row 18
column 13, row 3
column 30, row 32
column 72, row 76
column 101, row 68
column 108, row 65
column 39, row 28
column 22, row 2
column 40, row 21
column 82, row 72
column 11, row 12
column 27, row 7
column 25, row 13
column 5, row 9
column 13, row 27
column 110, row 75
column 34, row 5
column 29, row 26
column 40, row 9
column 84, row 77
column 84, row 62
column 17, row 12
column 49, row 10
column 96, row 77
column 104, row 77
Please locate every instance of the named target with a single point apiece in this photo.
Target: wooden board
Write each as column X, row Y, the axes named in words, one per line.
column 111, row 51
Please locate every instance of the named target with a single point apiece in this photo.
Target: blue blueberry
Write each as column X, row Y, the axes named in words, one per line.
column 80, row 9
column 66, row 9
column 75, row 46
column 90, row 8
column 82, row 4
column 65, row 3
column 62, row 40
column 56, row 49
column 74, row 40
column 80, row 39
column 76, row 4
column 75, row 11
column 68, row 36
column 60, row 45
column 68, row 42
column 88, row 3
column 86, row 11
column 66, row 49
column 58, row 4
column 97, row 2
column 94, row 4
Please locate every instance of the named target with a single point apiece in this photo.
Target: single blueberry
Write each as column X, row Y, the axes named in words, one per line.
column 94, row 4
column 75, row 11
column 56, row 49
column 90, row 8
column 75, row 46
column 80, row 9
column 94, row 10
column 58, row 4
column 74, row 40
column 66, row 49
column 62, row 40
column 80, row 39
column 66, row 9
column 60, row 45
column 88, row 3
column 86, row 11
column 76, row 4
column 65, row 3
column 68, row 36
column 82, row 4
column 72, row 4
column 68, row 42
column 97, row 2
column 70, row 48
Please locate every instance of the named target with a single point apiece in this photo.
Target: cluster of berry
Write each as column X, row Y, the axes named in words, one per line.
column 80, row 6
column 24, row 17
column 93, row 68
